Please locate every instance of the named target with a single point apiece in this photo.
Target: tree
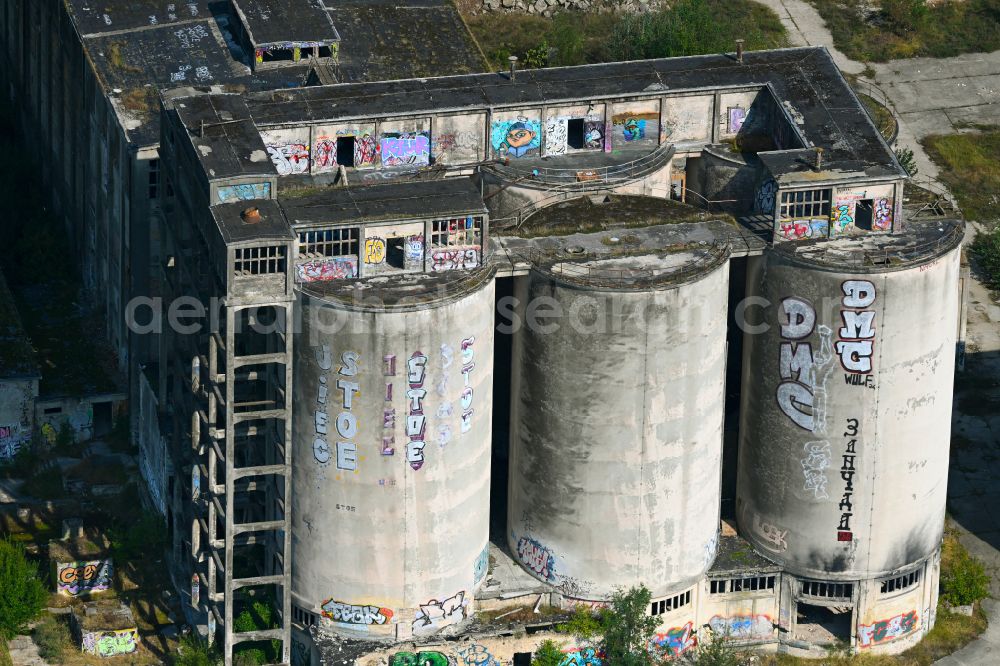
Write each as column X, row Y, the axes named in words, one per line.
column 628, row 628
column 22, row 595
column 547, row 654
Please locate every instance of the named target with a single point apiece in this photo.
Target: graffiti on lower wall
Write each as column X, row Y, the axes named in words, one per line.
column 736, row 117
column 111, row 643
column 636, row 126
column 481, row 565
column 582, row 656
column 420, row 659
column 455, row 258
column 884, row 631
column 675, row 641
column 518, row 137
column 742, row 626
column 405, row 149
column 766, row 197
column 76, row 578
column 537, row 558
column 334, row 268
column 435, row 615
column 355, row 614
column 244, row 192
column 804, row 229
column 12, row 438
column 289, row 158
column 477, row 655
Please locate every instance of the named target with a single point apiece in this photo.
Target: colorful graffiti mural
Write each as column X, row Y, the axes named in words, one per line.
column 742, row 626
column 536, row 557
column 374, row 250
column 478, row 655
column 804, row 229
column 582, row 656
column 419, row 659
column 244, row 192
column 520, row 137
column 111, row 643
column 884, row 631
column 882, row 219
column 455, row 258
column 334, row 268
column 355, row 614
column 841, row 218
column 289, row 158
column 676, row 641
column 12, row 438
column 435, row 614
column 736, row 117
column 76, row 578
column 636, row 126
column 405, row 149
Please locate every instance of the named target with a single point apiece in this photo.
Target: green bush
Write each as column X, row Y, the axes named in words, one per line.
column 22, row 595
column 260, row 616
column 986, row 249
column 53, row 640
column 547, row 654
column 195, row 652
column 965, row 580
column 627, row 628
column 65, row 437
column 905, row 157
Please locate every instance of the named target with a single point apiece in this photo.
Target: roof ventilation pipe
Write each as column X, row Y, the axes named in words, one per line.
column 513, row 67
column 739, row 51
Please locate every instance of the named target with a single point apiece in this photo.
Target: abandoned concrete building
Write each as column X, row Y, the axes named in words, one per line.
column 490, row 345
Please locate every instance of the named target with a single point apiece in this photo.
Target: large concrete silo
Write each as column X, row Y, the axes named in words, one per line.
column 392, row 435
column 846, row 408
column 616, row 423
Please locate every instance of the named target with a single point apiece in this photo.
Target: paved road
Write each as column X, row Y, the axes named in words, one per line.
column 929, row 96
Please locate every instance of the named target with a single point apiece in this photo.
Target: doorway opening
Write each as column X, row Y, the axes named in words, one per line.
column 575, row 133
column 345, row 151
column 864, row 214
column 522, row 659
column 823, row 625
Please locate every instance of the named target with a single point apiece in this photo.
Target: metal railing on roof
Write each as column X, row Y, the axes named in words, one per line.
column 584, row 178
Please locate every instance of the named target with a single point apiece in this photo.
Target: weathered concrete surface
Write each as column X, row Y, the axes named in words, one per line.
column 392, row 471
column 616, row 435
column 844, row 423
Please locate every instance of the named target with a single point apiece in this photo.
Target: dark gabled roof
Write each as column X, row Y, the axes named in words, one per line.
column 17, row 356
column 805, row 81
column 233, row 228
column 103, row 16
column 286, row 22
column 438, row 199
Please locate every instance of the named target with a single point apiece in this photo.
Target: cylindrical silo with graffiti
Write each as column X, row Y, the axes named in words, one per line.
column 392, row 435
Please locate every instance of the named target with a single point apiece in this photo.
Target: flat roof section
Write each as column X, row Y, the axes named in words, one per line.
column 225, row 139
column 386, row 40
column 438, row 199
column 286, row 22
column 235, row 228
column 805, row 81
column 103, row 16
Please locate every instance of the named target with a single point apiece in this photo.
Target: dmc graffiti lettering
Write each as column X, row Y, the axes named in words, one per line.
column 354, row 614
column 887, row 630
column 536, row 557
column 801, row 395
column 856, row 337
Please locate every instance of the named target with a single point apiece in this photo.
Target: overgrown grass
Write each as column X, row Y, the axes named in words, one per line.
column 970, row 167
column 688, row 27
column 909, row 28
column 5, row 659
column 53, row 640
